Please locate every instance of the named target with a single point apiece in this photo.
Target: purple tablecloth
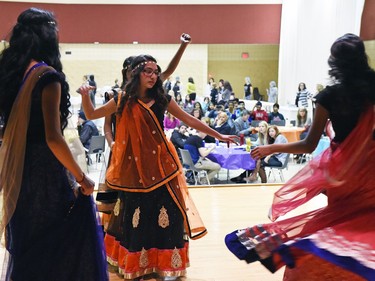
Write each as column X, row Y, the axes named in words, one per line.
column 233, row 158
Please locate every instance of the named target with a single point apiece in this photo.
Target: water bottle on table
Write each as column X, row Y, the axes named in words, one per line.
column 248, row 144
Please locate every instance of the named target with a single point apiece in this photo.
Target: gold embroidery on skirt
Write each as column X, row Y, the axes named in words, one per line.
column 163, row 218
column 135, row 220
column 116, row 208
column 143, row 259
column 176, row 260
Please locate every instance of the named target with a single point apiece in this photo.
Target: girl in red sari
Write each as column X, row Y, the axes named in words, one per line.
column 335, row 242
column 157, row 213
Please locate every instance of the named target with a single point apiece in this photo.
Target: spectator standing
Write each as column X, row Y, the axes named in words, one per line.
column 227, row 91
column 214, row 93
column 177, row 87
column 191, row 90
column 272, row 92
column 248, row 89
column 302, row 96
column 92, row 83
column 256, row 94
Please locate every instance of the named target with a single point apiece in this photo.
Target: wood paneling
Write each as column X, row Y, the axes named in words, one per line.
column 208, row 24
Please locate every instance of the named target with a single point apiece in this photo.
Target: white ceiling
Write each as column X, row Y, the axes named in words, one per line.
column 151, row 2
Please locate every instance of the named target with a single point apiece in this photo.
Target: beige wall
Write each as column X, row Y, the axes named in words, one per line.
column 225, row 62
column 370, row 50
column 105, row 61
column 221, row 61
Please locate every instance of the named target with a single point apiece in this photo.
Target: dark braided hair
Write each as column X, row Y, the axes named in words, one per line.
column 34, row 37
column 132, row 87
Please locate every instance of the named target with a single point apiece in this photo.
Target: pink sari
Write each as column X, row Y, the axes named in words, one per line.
column 343, row 232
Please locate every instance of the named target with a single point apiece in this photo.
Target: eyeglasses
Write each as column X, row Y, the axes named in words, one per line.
column 149, row 71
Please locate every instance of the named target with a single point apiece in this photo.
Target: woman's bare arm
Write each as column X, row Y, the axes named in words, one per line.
column 95, row 113
column 197, row 124
column 304, row 146
column 108, row 130
column 185, row 40
column 51, row 113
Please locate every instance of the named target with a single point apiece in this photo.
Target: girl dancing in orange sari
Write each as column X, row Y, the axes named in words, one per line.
column 156, row 209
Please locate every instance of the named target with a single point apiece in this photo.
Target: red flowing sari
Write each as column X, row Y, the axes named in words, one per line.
column 340, row 236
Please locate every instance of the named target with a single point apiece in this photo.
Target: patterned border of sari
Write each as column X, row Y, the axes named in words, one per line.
column 342, row 232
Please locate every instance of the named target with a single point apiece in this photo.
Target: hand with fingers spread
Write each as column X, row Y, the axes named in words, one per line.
column 185, row 38
column 261, row 151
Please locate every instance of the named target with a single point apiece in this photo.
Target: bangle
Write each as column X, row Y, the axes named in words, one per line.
column 83, row 178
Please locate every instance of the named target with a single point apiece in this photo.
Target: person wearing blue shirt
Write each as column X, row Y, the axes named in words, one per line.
column 194, row 144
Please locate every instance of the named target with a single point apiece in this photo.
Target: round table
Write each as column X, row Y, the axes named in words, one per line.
column 292, row 134
column 233, row 158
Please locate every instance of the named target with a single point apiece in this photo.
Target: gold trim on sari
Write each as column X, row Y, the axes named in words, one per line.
column 12, row 150
column 143, row 159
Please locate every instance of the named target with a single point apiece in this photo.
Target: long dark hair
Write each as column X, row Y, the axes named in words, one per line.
column 34, row 37
column 132, row 87
column 125, row 67
column 349, row 67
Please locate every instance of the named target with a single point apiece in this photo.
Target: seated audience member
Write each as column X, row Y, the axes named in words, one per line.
column 231, row 111
column 275, row 114
column 240, row 108
column 210, row 108
column 277, row 159
column 261, row 140
column 198, row 105
column 303, row 121
column 189, row 104
column 170, row 122
column 242, row 126
column 197, row 113
column 198, row 154
column 179, row 136
column 221, row 124
column 208, row 138
column 258, row 113
column 179, row 100
column 214, row 113
column 86, row 129
column 205, row 103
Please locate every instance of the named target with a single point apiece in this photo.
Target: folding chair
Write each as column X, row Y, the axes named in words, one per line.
column 97, row 147
column 188, row 164
column 278, row 122
column 280, row 169
column 255, row 123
